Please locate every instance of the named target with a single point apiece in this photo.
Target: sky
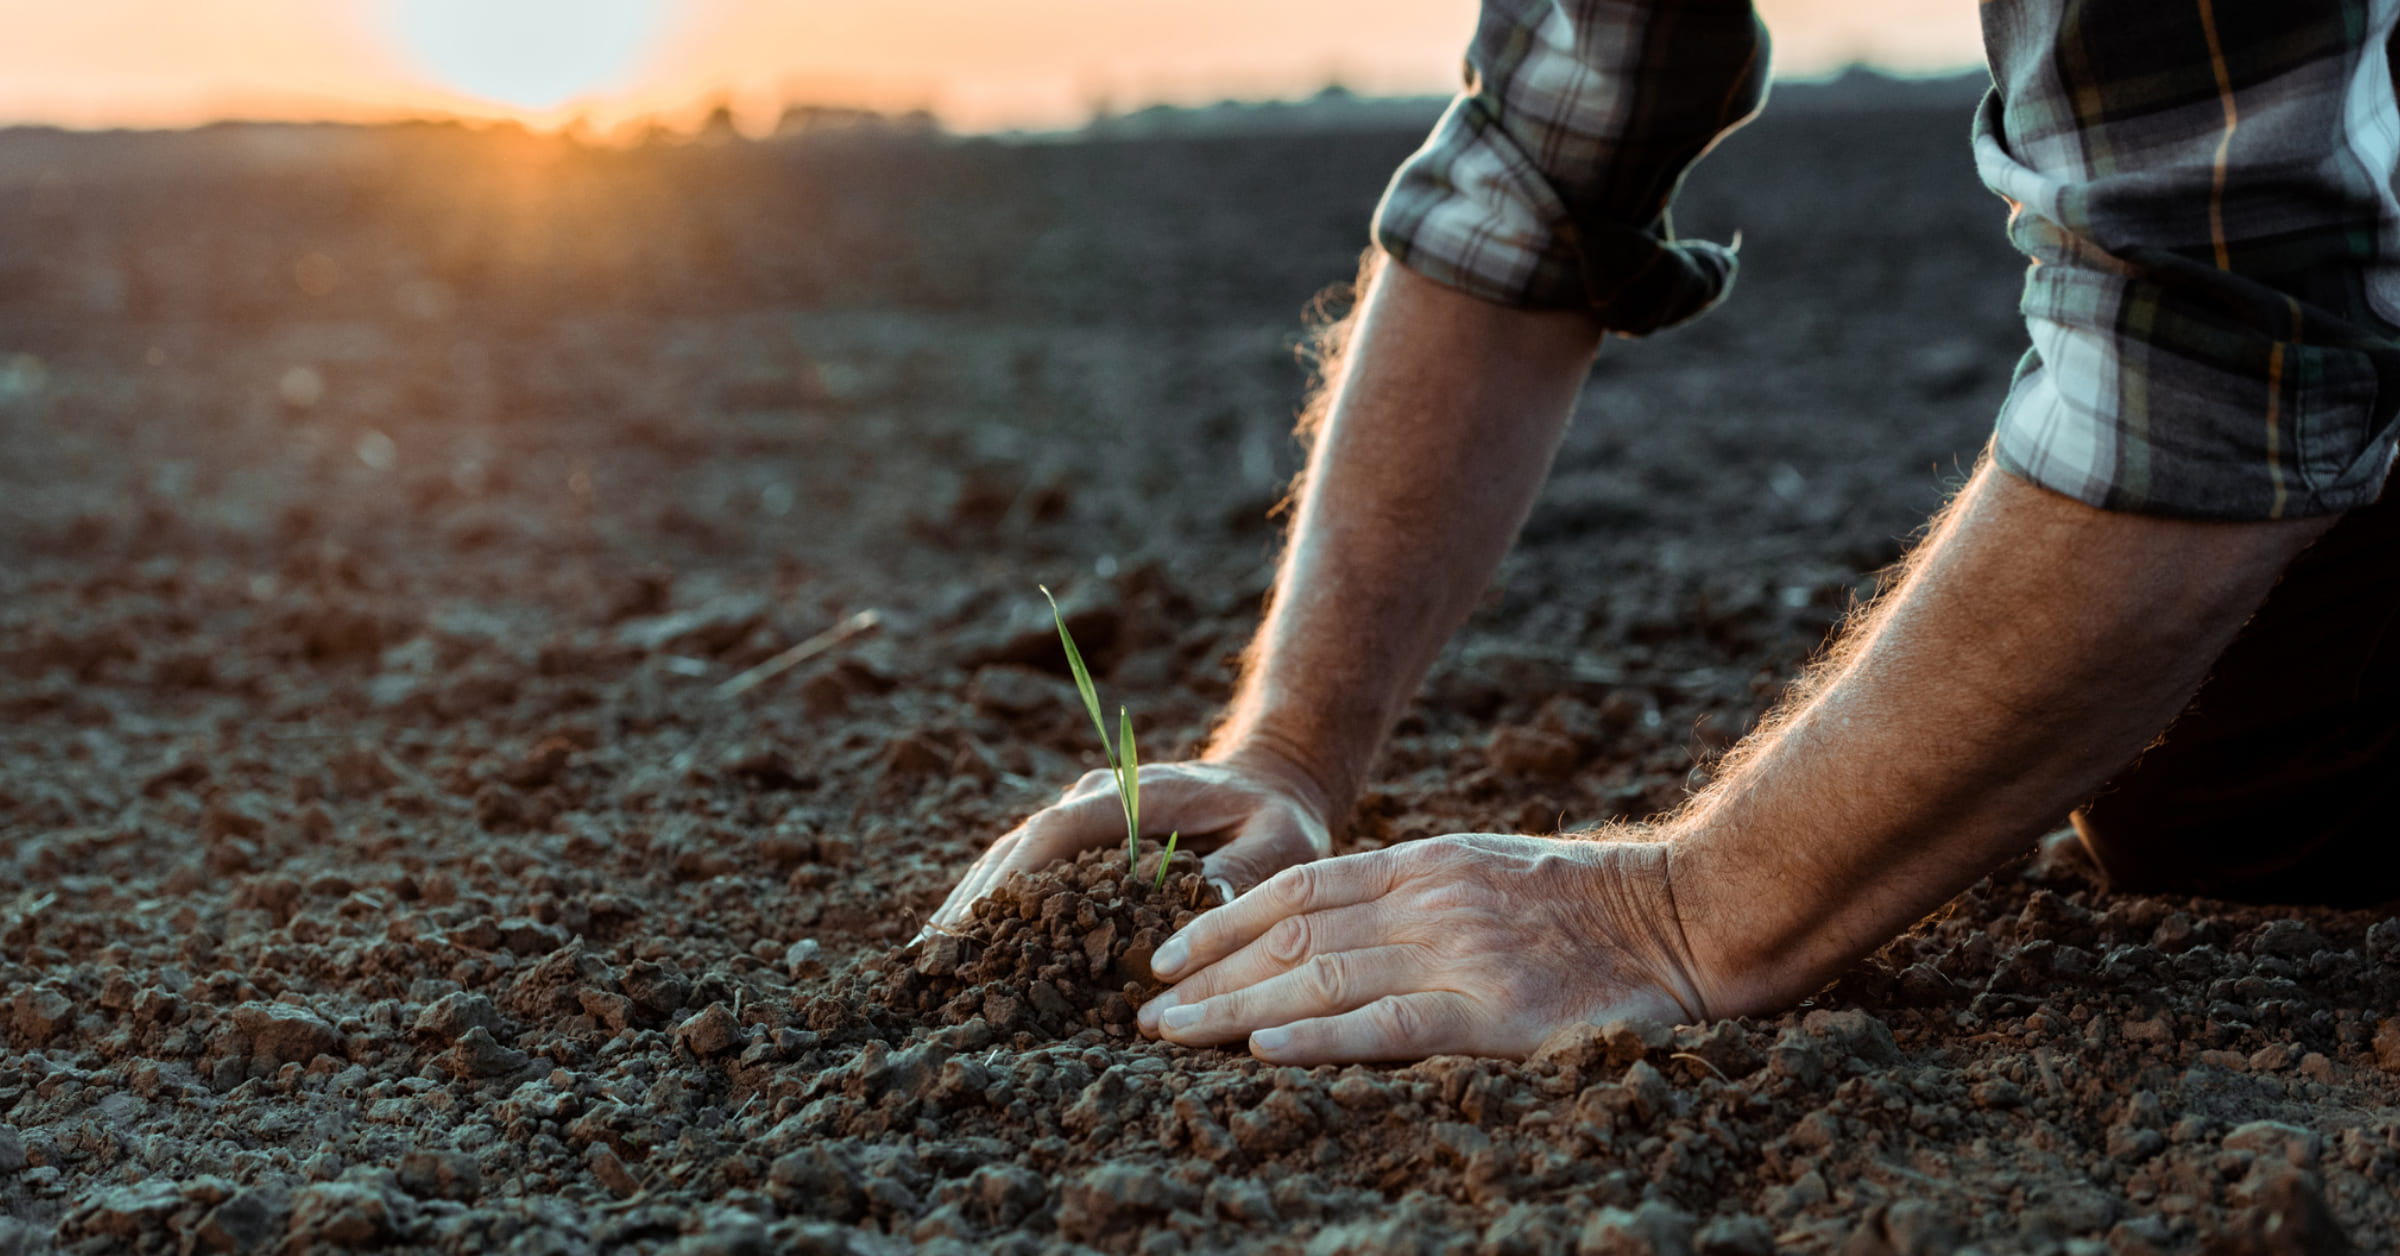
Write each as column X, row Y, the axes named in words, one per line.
column 978, row 64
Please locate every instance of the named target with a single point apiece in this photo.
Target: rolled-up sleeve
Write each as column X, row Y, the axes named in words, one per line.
column 2205, row 192
column 1547, row 182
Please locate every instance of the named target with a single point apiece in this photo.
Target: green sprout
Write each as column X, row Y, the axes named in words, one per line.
column 1164, row 860
column 1126, row 770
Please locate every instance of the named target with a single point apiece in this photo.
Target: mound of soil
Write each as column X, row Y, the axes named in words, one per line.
column 1062, row 953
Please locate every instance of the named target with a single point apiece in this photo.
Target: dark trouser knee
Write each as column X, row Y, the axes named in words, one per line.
column 2279, row 784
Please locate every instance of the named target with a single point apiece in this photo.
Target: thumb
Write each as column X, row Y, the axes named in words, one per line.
column 1067, row 830
column 1266, row 847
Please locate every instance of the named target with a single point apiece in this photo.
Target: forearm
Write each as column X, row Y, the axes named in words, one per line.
column 2034, row 648
column 1444, row 414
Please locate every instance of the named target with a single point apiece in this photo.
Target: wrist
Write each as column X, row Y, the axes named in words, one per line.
column 1292, row 768
column 1757, row 941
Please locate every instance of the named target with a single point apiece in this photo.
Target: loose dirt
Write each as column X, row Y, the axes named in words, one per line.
column 382, row 511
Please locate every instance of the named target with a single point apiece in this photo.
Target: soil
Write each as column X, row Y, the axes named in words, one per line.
column 1045, row 957
column 382, row 865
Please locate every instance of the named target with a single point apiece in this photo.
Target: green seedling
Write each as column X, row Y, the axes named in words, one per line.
column 1163, row 860
column 1125, row 768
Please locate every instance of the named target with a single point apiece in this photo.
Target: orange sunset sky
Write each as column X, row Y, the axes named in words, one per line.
column 979, row 64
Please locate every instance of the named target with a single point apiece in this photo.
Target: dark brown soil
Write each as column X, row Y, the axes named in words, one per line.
column 380, row 865
column 1062, row 953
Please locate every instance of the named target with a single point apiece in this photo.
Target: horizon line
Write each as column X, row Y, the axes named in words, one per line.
column 691, row 119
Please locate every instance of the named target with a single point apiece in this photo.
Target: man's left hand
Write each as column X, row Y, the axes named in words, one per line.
column 1480, row 943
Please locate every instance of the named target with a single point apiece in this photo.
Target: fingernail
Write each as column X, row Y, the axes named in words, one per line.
column 1224, row 889
column 1180, row 1017
column 1168, row 960
column 1148, row 1016
column 1275, row 1039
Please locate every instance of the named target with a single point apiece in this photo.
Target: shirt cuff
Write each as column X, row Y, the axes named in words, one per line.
column 2132, row 399
column 1471, row 211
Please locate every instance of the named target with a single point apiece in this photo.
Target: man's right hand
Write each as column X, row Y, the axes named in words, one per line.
column 1253, row 814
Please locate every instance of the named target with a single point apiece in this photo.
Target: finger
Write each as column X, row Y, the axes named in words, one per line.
column 1291, row 942
column 1204, row 801
column 978, row 879
column 1297, row 890
column 1394, row 1027
column 981, row 877
column 1323, row 985
column 1092, row 813
column 1269, row 845
column 1065, row 830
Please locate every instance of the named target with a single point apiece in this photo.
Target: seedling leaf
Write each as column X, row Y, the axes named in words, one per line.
column 1125, row 770
column 1129, row 789
column 1083, row 677
column 1164, row 860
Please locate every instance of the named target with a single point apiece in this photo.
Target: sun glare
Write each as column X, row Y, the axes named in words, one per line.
column 532, row 54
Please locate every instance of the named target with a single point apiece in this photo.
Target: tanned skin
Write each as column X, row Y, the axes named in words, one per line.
column 2033, row 647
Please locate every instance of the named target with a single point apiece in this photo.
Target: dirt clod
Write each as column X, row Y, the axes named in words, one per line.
column 453, row 1175
column 479, row 1055
column 449, row 1017
column 1652, row 1229
column 286, row 1034
column 710, row 1031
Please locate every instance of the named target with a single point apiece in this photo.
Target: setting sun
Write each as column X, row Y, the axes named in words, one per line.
column 976, row 64
column 533, row 54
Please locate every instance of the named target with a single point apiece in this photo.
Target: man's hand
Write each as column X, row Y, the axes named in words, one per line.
column 1254, row 815
column 1436, row 435
column 2035, row 645
column 1479, row 943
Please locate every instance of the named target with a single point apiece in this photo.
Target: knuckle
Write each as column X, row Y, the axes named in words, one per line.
column 1324, row 979
column 1199, row 988
column 1373, row 866
column 1395, row 1018
column 1287, row 942
column 1427, row 957
column 1449, row 850
column 1292, row 888
column 1230, row 1008
column 1419, row 858
column 1444, row 897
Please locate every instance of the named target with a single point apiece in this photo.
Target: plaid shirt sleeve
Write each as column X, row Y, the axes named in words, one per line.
column 1546, row 184
column 2205, row 189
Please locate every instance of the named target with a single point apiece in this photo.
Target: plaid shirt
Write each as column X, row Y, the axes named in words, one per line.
column 2205, row 188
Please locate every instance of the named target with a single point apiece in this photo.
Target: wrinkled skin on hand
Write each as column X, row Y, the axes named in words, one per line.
column 1480, row 944
column 1253, row 816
